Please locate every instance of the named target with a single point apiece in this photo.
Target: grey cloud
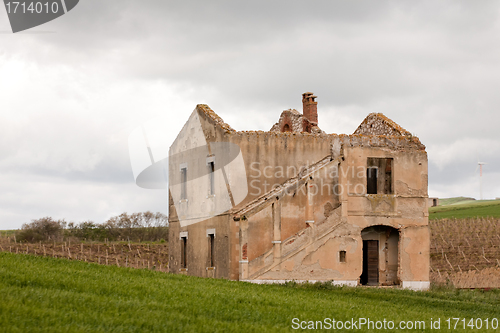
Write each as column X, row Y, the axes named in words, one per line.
column 433, row 67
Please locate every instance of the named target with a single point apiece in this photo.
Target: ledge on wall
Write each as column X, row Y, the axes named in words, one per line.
column 416, row 285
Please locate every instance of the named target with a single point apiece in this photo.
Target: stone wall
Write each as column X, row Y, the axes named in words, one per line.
column 378, row 124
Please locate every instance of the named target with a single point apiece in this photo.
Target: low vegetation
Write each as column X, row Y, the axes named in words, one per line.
column 465, row 209
column 58, row 295
column 146, row 226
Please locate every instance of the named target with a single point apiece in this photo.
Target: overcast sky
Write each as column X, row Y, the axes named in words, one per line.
column 73, row 89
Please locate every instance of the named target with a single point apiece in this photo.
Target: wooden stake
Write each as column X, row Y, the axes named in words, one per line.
column 484, row 256
column 449, row 262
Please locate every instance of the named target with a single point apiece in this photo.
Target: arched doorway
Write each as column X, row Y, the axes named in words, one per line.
column 286, row 128
column 380, row 256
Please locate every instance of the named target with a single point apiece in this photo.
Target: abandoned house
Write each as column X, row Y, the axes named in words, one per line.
column 296, row 203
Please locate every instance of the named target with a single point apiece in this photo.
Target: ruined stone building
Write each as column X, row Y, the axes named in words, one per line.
column 296, row 203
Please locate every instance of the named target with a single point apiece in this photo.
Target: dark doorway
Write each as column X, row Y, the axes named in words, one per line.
column 380, row 256
column 370, row 263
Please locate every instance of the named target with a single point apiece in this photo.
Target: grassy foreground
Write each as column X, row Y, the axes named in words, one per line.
column 56, row 295
column 466, row 209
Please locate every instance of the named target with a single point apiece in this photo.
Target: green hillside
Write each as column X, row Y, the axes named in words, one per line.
column 450, row 208
column 56, row 295
column 455, row 200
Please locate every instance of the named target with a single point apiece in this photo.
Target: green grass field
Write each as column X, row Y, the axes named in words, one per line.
column 56, row 295
column 454, row 208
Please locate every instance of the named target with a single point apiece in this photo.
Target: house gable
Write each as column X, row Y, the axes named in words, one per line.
column 378, row 124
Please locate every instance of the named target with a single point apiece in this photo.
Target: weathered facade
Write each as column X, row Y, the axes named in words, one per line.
column 316, row 206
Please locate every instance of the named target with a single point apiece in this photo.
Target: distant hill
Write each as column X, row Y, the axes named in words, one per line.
column 462, row 207
column 456, row 200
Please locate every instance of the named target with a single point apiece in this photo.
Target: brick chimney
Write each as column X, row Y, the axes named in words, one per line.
column 310, row 107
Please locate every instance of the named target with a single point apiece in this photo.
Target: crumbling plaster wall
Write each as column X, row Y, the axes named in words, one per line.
column 273, row 158
column 314, row 254
column 415, row 254
column 403, row 211
column 296, row 211
column 198, row 247
column 409, row 172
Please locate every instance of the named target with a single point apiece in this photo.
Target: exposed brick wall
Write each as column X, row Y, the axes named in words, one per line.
column 296, row 122
column 310, row 107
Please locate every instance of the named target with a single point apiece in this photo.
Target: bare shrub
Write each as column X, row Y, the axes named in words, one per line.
column 145, row 226
column 41, row 230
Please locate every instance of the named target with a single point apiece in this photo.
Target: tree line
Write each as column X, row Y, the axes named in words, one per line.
column 136, row 227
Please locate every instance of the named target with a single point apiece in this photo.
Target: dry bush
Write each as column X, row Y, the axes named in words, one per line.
column 41, row 230
column 138, row 226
